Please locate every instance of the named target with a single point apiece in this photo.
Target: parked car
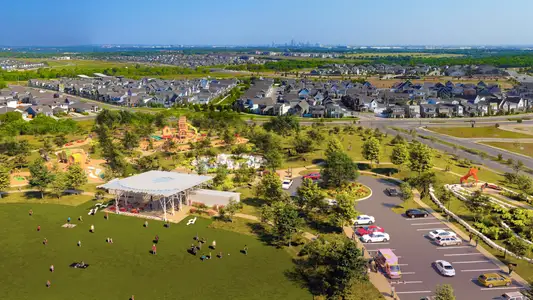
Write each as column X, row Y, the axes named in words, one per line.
column 364, row 220
column 368, row 230
column 440, row 233
column 416, row 213
column 493, row 279
column 392, row 192
column 286, row 184
column 375, row 237
column 448, row 241
column 514, row 296
column 445, row 268
column 313, row 176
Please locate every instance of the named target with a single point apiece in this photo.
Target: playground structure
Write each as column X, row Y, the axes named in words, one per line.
column 93, row 168
column 184, row 133
column 231, row 161
column 471, row 173
column 72, row 156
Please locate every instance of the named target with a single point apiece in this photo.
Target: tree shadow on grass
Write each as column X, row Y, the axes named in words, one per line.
column 262, row 233
column 385, row 171
column 32, row 195
column 253, row 201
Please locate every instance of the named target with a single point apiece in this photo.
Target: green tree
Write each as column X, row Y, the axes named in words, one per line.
column 221, row 175
column 273, row 159
column 406, row 190
column 148, row 163
column 130, row 140
column 524, row 183
column 75, row 176
column 398, row 139
column 517, row 246
column 160, row 120
column 59, row 184
column 229, row 137
column 339, row 169
column 478, row 204
column 444, row 292
column 371, row 150
column 344, row 212
column 334, row 145
column 284, row 219
column 4, row 180
column 518, row 166
column 400, row 154
column 283, row 125
column 310, row 195
column 302, row 144
column 41, row 177
column 270, row 188
column 423, row 182
column 20, row 161
column 228, row 211
column 60, row 140
column 420, row 158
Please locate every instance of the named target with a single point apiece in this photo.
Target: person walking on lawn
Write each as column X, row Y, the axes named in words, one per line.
column 154, row 249
column 511, row 268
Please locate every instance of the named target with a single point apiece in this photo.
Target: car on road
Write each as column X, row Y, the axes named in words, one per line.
column 445, row 268
column 364, row 220
column 392, row 192
column 416, row 213
column 494, row 279
column 375, row 237
column 313, row 176
column 514, row 296
column 440, row 233
column 448, row 241
column 368, row 230
column 286, row 184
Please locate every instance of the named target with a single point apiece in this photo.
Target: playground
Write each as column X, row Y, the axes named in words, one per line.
column 68, row 156
column 232, row 162
column 126, row 267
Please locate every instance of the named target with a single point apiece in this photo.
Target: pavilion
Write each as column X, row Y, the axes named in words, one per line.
column 169, row 190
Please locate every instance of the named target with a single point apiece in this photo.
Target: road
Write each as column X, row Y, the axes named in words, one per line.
column 417, row 253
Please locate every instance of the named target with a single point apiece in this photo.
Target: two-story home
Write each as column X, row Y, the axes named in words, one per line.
column 428, row 110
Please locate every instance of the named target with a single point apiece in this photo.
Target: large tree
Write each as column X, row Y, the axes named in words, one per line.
column 270, row 188
column 302, row 144
column 420, row 158
column 4, row 179
column 148, row 163
column 41, row 177
column 283, row 125
column 344, row 211
column 334, row 145
column 221, row 175
column 478, row 204
column 285, row 220
column 273, row 159
column 59, row 184
column 130, row 140
column 310, row 195
column 371, row 150
column 339, row 169
column 331, row 265
column 75, row 176
column 400, row 154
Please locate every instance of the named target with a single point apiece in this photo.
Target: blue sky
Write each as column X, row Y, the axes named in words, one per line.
column 237, row 22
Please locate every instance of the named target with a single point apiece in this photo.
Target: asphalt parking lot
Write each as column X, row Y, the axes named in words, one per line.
column 416, row 252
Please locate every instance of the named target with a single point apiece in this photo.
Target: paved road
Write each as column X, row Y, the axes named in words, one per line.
column 417, row 253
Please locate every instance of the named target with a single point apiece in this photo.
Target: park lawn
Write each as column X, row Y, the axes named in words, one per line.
column 35, row 198
column 520, row 148
column 480, row 132
column 126, row 267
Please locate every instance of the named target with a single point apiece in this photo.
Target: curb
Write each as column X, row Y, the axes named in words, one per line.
column 367, row 197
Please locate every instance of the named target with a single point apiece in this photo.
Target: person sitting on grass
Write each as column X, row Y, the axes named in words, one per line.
column 45, row 241
column 38, row 227
column 31, row 212
column 52, row 268
column 92, row 228
column 245, row 250
column 68, row 220
column 80, row 219
column 79, row 243
column 156, row 239
column 213, row 245
column 220, row 254
column 48, row 283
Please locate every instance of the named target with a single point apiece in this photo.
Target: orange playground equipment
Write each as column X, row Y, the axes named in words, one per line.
column 72, row 156
column 183, row 132
column 471, row 173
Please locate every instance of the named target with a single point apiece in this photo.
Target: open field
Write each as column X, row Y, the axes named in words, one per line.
column 126, row 267
column 520, row 148
column 79, row 63
column 479, row 132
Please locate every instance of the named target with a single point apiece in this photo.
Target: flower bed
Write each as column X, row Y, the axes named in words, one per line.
column 354, row 189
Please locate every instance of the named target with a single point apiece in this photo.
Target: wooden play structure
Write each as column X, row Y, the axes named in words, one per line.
column 471, row 173
column 72, row 156
column 184, row 132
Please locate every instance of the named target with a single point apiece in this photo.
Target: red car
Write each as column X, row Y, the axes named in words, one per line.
column 312, row 176
column 368, row 230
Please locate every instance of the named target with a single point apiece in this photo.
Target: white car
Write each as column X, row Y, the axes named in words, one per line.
column 442, row 233
column 445, row 268
column 286, row 184
column 364, row 220
column 375, row 237
column 448, row 240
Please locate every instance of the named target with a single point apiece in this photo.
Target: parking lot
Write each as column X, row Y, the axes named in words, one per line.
column 416, row 252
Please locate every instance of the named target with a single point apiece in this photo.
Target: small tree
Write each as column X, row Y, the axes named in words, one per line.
column 302, row 144
column 41, row 177
column 517, row 246
column 500, row 157
column 273, row 159
column 371, row 150
column 130, row 140
column 270, row 188
column 228, row 211
column 59, row 184
column 444, row 292
column 406, row 190
column 339, row 169
column 60, row 140
column 518, row 166
column 285, row 219
column 221, row 175
column 334, row 145
column 420, row 158
column 344, row 211
column 400, row 154
column 75, row 176
column 310, row 196
column 4, row 180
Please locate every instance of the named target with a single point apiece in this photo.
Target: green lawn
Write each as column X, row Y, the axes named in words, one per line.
column 34, row 198
column 126, row 267
column 479, row 132
column 520, row 148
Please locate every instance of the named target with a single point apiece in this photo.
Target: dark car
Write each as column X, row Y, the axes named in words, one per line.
column 392, row 192
column 416, row 213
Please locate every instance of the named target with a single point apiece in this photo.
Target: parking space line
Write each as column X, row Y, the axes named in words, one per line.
column 462, row 254
column 420, row 219
column 406, row 282
column 376, row 250
column 430, row 229
column 455, row 247
column 481, row 270
column 408, row 273
column 500, row 288
column 403, row 265
column 418, row 224
column 471, row 262
column 376, row 244
column 414, row 292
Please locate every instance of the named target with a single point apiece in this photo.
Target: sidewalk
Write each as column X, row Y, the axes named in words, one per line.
column 377, row 279
column 496, row 261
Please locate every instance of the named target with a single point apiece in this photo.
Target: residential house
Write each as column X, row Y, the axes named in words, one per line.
column 428, row 110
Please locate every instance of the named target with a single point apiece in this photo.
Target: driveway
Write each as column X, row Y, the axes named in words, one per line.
column 417, row 253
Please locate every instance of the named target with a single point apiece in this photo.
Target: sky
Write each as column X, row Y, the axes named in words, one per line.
column 253, row 22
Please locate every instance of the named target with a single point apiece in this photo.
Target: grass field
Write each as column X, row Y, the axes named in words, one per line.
column 479, row 132
column 126, row 267
column 79, row 63
column 520, row 148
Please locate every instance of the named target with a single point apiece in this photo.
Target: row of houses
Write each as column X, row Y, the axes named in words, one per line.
column 14, row 64
column 137, row 93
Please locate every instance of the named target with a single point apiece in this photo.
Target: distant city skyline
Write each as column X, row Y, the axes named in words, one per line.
column 240, row 22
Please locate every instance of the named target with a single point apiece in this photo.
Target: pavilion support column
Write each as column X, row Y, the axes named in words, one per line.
column 117, row 199
column 164, row 204
column 180, row 199
column 172, row 204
